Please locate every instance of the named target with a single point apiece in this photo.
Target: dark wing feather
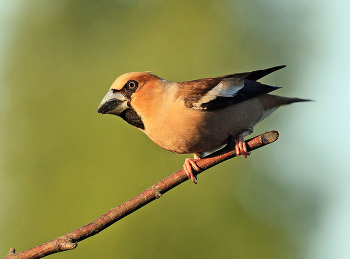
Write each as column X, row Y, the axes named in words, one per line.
column 255, row 75
column 221, row 92
column 250, row 90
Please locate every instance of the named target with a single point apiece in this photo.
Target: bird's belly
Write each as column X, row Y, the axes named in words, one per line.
column 186, row 144
column 196, row 131
column 183, row 139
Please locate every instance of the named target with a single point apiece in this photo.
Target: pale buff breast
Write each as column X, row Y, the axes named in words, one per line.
column 194, row 131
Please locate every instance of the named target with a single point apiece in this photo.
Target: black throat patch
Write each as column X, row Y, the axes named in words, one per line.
column 131, row 117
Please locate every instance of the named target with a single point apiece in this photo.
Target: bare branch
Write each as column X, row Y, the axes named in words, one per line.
column 70, row 240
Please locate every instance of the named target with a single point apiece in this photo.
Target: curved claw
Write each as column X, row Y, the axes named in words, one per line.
column 241, row 147
column 188, row 166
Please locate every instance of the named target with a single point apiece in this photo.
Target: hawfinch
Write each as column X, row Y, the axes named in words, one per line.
column 199, row 116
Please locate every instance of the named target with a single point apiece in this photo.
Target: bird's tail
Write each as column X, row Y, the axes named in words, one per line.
column 270, row 101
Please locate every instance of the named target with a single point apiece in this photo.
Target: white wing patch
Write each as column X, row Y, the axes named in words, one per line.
column 226, row 88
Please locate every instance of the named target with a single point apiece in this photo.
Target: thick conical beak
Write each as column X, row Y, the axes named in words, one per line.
column 113, row 103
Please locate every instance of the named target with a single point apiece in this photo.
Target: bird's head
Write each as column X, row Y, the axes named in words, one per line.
column 119, row 98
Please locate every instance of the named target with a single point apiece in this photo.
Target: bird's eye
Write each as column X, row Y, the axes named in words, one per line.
column 132, row 84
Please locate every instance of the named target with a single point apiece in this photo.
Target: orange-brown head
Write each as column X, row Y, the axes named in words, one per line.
column 118, row 100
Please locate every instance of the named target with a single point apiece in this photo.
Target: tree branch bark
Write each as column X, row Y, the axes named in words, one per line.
column 70, row 240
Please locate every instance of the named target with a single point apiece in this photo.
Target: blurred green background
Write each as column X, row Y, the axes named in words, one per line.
column 62, row 165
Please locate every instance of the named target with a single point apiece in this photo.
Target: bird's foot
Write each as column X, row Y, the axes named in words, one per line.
column 241, row 147
column 190, row 166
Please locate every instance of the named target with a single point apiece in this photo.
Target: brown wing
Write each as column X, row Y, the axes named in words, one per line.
column 221, row 92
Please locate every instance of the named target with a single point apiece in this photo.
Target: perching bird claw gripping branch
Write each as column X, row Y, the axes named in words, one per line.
column 70, row 240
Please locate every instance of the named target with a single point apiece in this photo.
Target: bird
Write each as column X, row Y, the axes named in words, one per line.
column 199, row 116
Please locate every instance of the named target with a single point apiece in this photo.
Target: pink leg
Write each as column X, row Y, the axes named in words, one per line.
column 189, row 165
column 240, row 146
